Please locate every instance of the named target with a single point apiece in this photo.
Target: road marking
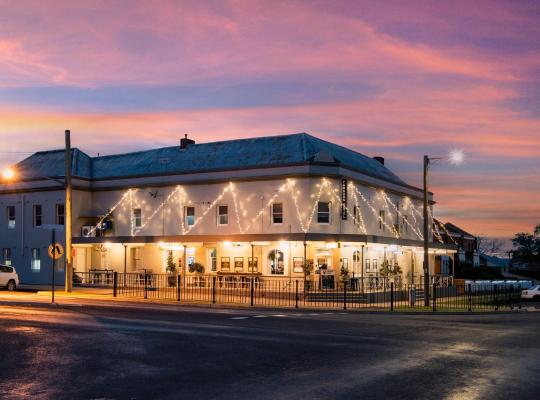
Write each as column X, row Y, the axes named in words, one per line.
column 260, row 316
column 279, row 315
column 239, row 318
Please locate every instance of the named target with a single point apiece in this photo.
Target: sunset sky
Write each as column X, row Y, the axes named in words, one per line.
column 395, row 78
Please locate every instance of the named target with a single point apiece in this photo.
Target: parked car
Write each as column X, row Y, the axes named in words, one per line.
column 532, row 293
column 8, row 277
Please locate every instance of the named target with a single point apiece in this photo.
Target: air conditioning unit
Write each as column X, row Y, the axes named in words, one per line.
column 88, row 231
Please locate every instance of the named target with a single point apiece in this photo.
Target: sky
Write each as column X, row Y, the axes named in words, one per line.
column 397, row 79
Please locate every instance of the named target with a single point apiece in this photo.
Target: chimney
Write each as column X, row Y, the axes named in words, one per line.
column 185, row 142
column 379, row 159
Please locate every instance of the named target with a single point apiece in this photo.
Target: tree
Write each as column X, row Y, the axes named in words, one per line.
column 527, row 245
column 491, row 246
column 171, row 266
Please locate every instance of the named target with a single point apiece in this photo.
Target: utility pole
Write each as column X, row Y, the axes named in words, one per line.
column 69, row 260
column 426, row 230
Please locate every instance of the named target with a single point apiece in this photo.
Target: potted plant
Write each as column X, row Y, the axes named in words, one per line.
column 171, row 270
column 198, row 269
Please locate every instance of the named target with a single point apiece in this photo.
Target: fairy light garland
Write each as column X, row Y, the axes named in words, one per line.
column 179, row 196
column 388, row 200
column 374, row 211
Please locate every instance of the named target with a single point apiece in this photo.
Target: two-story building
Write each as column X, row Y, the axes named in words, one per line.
column 265, row 206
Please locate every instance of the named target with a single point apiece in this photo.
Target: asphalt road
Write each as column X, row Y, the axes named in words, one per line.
column 96, row 352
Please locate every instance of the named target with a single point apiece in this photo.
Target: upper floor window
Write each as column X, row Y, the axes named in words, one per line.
column 405, row 224
column 381, row 220
column 38, row 216
column 277, row 213
column 6, row 255
column 190, row 216
column 35, row 262
column 137, row 217
column 10, row 214
column 60, row 214
column 323, row 212
column 356, row 215
column 223, row 215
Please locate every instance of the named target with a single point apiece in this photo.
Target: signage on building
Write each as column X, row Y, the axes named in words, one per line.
column 344, row 199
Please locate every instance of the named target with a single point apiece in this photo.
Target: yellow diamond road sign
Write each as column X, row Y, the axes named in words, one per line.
column 58, row 251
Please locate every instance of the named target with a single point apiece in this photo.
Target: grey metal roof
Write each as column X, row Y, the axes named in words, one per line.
column 283, row 150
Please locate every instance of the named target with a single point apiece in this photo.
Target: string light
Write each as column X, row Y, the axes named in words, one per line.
column 375, row 213
column 388, row 200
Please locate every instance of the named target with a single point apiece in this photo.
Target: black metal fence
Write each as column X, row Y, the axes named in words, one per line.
column 366, row 293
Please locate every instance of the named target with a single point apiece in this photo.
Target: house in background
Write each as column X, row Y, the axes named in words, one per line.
column 467, row 254
column 501, row 264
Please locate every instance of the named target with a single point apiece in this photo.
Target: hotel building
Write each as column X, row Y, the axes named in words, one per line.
column 265, row 206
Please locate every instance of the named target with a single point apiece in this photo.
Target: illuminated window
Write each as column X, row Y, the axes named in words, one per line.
column 35, row 262
column 323, row 212
column 276, row 261
column 137, row 217
column 277, row 213
column 38, row 215
column 6, row 255
column 10, row 211
column 223, row 215
column 190, row 216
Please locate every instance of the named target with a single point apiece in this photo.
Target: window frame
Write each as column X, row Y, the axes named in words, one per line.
column 35, row 259
column 219, row 215
column 59, row 215
column 6, row 256
column 273, row 214
column 187, row 217
column 137, row 221
column 36, row 215
column 329, row 212
column 11, row 222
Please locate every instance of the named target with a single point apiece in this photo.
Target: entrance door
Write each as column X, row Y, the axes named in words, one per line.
column 80, row 259
column 357, row 262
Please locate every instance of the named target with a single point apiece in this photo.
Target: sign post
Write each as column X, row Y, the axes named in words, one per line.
column 55, row 251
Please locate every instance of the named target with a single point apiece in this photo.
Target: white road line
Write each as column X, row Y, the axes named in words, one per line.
column 239, row 318
column 279, row 315
column 260, row 316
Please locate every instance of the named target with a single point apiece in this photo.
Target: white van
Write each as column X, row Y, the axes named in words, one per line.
column 8, row 277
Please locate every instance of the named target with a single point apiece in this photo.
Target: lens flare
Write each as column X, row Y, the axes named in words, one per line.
column 457, row 156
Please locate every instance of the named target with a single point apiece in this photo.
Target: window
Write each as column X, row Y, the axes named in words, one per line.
column 405, row 224
column 381, row 220
column 6, row 255
column 277, row 213
column 35, row 263
column 356, row 215
column 137, row 217
column 212, row 253
column 190, row 216
column 277, row 265
column 37, row 215
column 323, row 212
column 10, row 211
column 60, row 214
column 223, row 215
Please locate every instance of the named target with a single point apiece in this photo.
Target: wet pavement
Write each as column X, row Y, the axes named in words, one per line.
column 86, row 351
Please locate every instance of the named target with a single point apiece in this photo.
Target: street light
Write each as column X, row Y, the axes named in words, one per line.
column 9, row 175
column 455, row 157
